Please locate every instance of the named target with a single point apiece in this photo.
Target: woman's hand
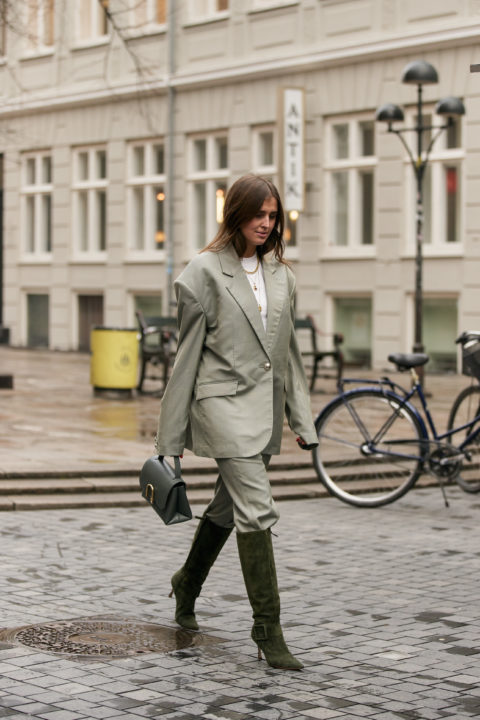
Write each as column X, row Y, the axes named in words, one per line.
column 302, row 444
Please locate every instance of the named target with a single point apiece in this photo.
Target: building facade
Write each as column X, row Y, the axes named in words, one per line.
column 123, row 123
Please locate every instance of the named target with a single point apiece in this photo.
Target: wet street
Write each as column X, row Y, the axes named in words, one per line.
column 382, row 606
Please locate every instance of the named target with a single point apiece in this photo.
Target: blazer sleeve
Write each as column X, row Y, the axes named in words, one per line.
column 297, row 403
column 174, row 417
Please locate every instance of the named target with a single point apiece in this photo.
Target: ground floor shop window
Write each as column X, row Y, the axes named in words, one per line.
column 90, row 314
column 353, row 319
column 148, row 305
column 37, row 320
column 440, row 328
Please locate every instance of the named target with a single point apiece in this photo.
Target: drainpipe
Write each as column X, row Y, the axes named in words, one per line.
column 170, row 157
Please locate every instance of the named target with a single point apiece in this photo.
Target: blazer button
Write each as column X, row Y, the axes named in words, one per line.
column 267, row 365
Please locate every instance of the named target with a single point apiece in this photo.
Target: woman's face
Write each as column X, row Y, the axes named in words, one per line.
column 257, row 230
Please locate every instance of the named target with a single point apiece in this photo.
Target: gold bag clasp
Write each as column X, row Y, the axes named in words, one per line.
column 149, row 493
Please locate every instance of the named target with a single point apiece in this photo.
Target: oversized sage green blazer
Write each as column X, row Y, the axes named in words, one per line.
column 232, row 381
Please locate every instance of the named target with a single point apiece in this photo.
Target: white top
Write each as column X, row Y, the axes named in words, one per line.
column 257, row 283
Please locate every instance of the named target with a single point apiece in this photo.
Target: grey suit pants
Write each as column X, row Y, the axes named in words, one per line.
column 243, row 496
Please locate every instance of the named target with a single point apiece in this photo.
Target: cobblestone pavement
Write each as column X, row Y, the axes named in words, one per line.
column 381, row 605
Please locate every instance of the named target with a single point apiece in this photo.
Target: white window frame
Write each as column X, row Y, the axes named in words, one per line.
column 95, row 36
column 151, row 23
column 89, row 188
column 36, row 37
column 271, row 171
column 199, row 11
column 440, row 156
column 35, row 244
column 146, row 249
column 353, row 165
column 209, row 177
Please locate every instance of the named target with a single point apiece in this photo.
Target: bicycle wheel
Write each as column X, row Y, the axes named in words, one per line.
column 466, row 408
column 356, row 473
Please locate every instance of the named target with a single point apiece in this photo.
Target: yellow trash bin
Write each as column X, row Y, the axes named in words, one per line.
column 114, row 358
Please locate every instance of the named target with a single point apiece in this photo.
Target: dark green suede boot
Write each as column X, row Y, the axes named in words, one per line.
column 187, row 582
column 258, row 567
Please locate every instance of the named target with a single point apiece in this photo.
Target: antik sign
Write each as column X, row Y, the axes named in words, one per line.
column 292, row 119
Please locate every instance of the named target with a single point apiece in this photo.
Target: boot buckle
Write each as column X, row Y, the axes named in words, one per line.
column 259, row 632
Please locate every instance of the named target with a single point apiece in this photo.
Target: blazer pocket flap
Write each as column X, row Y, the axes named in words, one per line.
column 216, row 389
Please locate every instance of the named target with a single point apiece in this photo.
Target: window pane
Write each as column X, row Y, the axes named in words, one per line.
column 30, row 171
column 47, row 223
column 161, row 11
column 454, row 135
column 221, row 153
column 220, row 193
column 30, row 225
column 158, row 160
column 83, row 221
column 266, row 148
column 140, row 12
column 440, row 326
column 83, row 166
column 102, row 21
column 138, row 219
column 46, row 170
column 101, row 196
column 291, row 228
column 367, row 145
column 200, row 155
column 340, row 205
column 149, row 305
column 452, row 195
column 37, row 320
column 159, row 205
column 222, row 5
column 200, row 217
column 48, row 19
column 139, row 160
column 366, row 209
column 353, row 318
column 340, row 139
column 101, row 163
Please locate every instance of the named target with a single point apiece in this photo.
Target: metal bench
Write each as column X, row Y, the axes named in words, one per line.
column 307, row 324
column 158, row 342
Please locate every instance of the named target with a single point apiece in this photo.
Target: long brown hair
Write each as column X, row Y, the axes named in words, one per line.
column 244, row 199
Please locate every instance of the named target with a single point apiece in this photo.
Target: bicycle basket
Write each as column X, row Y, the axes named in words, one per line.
column 471, row 359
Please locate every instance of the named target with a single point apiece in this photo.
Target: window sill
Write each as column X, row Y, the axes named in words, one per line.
column 274, row 5
column 138, row 258
column 224, row 15
column 40, row 259
column 89, row 259
column 443, row 251
column 146, row 32
column 349, row 252
column 92, row 43
column 38, row 54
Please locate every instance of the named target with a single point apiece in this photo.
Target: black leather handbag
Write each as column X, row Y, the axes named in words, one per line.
column 165, row 490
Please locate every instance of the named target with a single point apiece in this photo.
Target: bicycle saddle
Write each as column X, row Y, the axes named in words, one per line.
column 405, row 361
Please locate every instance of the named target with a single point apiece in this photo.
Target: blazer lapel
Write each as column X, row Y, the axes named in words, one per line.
column 275, row 284
column 239, row 288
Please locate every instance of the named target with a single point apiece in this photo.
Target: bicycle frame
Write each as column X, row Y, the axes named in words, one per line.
column 404, row 400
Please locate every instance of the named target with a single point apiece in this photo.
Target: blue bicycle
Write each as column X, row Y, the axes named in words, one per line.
column 374, row 443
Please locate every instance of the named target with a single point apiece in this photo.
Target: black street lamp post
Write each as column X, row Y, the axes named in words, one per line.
column 419, row 73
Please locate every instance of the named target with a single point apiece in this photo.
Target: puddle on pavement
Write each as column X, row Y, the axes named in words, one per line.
column 124, row 420
column 104, row 636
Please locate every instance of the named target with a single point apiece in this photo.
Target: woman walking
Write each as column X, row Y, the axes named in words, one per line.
column 238, row 370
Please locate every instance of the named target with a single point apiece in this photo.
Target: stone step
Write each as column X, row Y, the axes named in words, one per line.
column 55, row 501
column 119, row 484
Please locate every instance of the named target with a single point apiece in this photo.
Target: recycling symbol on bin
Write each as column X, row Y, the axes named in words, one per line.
column 124, row 360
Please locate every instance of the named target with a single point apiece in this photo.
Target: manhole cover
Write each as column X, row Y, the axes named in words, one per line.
column 105, row 636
